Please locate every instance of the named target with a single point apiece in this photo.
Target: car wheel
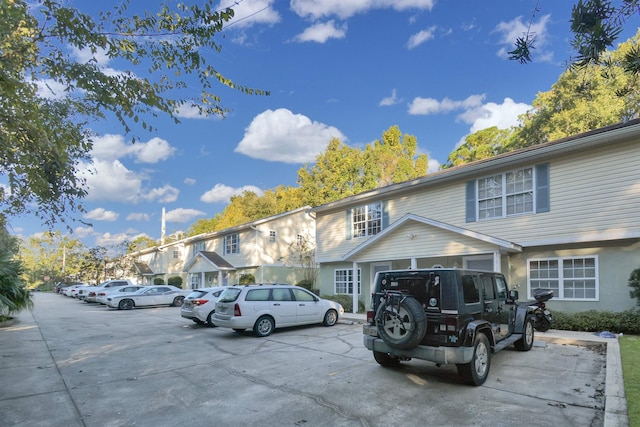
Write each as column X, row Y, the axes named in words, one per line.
column 126, row 304
column 401, row 322
column 330, row 318
column 477, row 371
column 209, row 321
column 526, row 342
column 264, row 326
column 386, row 360
column 177, row 302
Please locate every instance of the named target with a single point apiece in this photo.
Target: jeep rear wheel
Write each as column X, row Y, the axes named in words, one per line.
column 477, row 371
column 401, row 324
column 526, row 342
column 385, row 359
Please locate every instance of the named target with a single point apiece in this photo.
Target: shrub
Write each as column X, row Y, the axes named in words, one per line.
column 175, row 281
column 346, row 301
column 158, row 281
column 308, row 285
column 246, row 279
column 634, row 283
column 627, row 322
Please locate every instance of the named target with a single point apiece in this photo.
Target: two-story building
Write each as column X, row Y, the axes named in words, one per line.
column 262, row 248
column 563, row 215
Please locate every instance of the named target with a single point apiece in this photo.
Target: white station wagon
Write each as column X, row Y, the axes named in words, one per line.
column 266, row 307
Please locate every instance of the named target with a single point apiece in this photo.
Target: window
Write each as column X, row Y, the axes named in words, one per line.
column 506, row 194
column 272, row 236
column 343, row 282
column 572, row 278
column 176, row 254
column 198, row 247
column 470, row 292
column 258, row 295
column 231, row 245
column 367, row 220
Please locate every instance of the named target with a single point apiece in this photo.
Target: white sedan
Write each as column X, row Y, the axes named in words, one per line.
column 149, row 295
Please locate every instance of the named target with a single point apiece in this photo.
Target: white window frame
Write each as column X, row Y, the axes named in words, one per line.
column 559, row 293
column 231, row 244
column 273, row 236
column 366, row 220
column 502, row 195
column 176, row 254
column 348, row 281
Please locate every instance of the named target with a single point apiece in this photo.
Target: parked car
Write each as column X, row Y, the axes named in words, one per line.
column 102, row 295
column 83, row 291
column 92, row 295
column 446, row 316
column 71, row 291
column 266, row 307
column 200, row 304
column 149, row 295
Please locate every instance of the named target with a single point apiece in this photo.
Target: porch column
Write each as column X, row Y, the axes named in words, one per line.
column 414, row 263
column 496, row 261
column 355, row 288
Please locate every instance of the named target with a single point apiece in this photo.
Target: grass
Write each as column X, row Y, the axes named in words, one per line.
column 630, row 355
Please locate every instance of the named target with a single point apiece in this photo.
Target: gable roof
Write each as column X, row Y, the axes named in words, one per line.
column 143, row 268
column 212, row 258
column 541, row 152
column 504, row 245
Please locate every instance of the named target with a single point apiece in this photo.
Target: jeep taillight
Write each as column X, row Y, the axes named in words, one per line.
column 451, row 324
column 370, row 317
column 236, row 310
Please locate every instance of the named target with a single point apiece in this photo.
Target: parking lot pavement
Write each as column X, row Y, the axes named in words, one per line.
column 67, row 363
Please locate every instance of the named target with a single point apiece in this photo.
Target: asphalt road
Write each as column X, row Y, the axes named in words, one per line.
column 67, row 363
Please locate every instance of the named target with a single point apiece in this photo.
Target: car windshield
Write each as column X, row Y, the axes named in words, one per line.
column 229, row 295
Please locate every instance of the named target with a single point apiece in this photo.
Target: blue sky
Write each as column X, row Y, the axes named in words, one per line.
column 348, row 69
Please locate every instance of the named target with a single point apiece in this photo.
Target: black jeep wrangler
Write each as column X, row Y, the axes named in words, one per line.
column 446, row 315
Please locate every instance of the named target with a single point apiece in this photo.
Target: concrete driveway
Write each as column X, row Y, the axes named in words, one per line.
column 68, row 363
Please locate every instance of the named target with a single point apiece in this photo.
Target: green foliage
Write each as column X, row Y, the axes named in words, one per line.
column 14, row 297
column 308, row 285
column 346, row 301
column 630, row 358
column 627, row 322
column 43, row 141
column 246, row 279
column 175, row 281
column 480, row 145
column 634, row 283
column 158, row 281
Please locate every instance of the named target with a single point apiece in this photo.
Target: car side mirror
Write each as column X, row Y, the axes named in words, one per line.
column 513, row 296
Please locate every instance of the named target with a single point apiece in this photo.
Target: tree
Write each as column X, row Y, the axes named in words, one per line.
column 13, row 295
column 53, row 255
column 93, row 265
column 42, row 140
column 302, row 257
column 480, row 145
column 596, row 25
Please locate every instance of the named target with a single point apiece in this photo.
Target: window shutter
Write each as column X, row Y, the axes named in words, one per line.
column 385, row 214
column 238, row 243
column 471, row 201
column 348, row 227
column 543, row 200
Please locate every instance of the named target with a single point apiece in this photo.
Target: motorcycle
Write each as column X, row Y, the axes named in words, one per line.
column 543, row 318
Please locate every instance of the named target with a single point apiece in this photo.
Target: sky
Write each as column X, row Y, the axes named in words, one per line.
column 439, row 70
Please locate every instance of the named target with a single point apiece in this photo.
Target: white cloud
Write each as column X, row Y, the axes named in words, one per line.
column 101, row 214
column 190, row 111
column 85, row 55
column 108, row 239
column 138, row 216
column 221, row 193
column 315, row 9
column 433, row 165
column 321, row 32
column 503, row 116
column 515, row 28
column 189, row 181
column 427, row 106
column 282, row 136
column 251, row 12
column 50, row 89
column 111, row 181
column 110, row 147
column 420, row 37
column 182, row 215
column 166, row 194
column 390, row 100
column 82, row 232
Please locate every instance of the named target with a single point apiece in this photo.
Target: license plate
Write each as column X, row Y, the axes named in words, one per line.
column 370, row 330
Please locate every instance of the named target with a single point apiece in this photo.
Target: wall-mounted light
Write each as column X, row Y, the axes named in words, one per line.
column 412, row 236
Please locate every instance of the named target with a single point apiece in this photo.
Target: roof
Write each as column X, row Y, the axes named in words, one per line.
column 143, row 268
column 599, row 137
column 211, row 257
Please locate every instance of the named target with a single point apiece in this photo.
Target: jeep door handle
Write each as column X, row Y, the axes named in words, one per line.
column 488, row 310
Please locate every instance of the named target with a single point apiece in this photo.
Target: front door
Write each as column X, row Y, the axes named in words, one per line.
column 496, row 312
